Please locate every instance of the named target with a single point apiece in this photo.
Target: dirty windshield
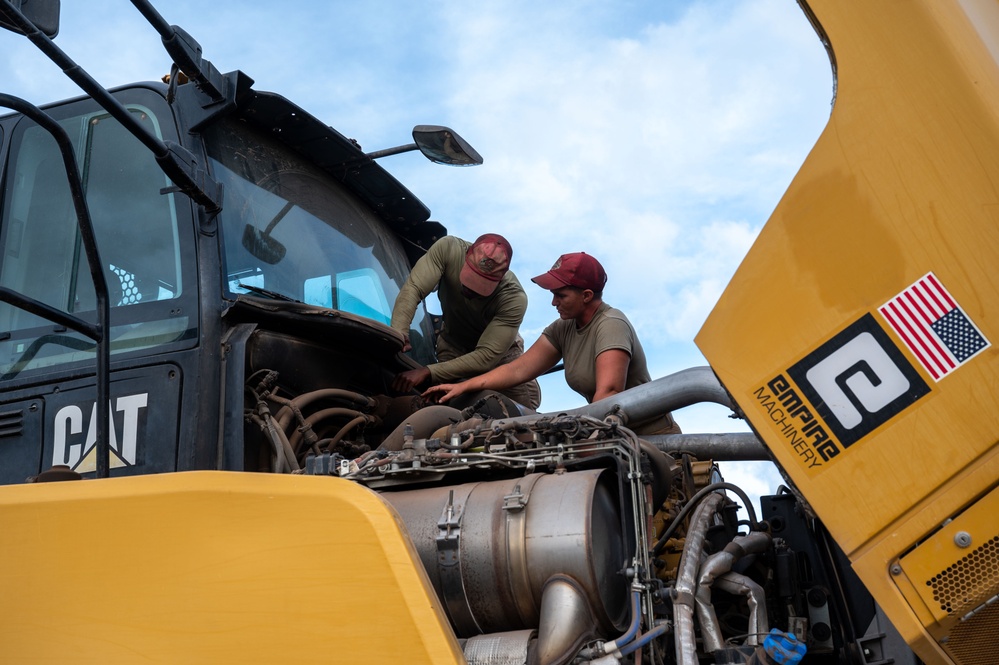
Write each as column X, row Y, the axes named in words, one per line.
column 291, row 232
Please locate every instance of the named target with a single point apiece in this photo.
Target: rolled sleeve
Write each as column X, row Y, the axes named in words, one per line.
column 499, row 335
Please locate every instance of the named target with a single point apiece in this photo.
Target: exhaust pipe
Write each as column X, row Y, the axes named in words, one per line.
column 649, row 400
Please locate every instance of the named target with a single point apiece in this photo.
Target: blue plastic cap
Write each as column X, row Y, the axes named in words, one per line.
column 784, row 648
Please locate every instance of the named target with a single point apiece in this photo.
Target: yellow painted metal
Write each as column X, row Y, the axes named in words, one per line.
column 209, row 567
column 956, row 569
column 904, row 181
column 878, row 565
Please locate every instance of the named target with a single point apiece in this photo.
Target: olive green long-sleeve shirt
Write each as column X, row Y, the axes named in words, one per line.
column 483, row 327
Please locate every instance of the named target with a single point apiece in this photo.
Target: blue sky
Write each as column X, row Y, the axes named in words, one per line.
column 657, row 136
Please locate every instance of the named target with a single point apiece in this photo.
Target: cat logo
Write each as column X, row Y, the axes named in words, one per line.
column 79, row 452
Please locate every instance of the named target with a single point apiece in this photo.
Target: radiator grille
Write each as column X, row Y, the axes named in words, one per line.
column 972, row 641
column 969, row 581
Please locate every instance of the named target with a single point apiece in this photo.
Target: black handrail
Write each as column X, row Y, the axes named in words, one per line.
column 175, row 160
column 99, row 332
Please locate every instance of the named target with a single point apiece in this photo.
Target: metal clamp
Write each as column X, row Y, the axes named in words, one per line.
column 449, row 561
column 516, row 549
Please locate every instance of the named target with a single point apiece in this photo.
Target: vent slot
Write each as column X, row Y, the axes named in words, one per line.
column 11, row 423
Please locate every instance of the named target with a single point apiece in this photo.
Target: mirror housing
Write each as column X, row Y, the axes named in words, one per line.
column 443, row 146
column 43, row 14
column 440, row 145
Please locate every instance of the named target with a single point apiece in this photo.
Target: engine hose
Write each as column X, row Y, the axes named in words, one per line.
column 716, row 568
column 424, row 422
column 304, row 427
column 337, row 411
column 636, row 618
column 284, row 414
column 686, row 578
column 705, row 491
column 278, row 453
column 346, row 429
column 642, row 640
column 289, row 452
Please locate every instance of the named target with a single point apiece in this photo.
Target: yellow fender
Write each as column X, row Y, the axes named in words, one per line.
column 212, row 567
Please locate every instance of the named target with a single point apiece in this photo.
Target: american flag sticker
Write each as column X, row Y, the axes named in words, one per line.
column 934, row 327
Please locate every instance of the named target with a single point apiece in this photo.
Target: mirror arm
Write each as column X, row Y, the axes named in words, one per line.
column 377, row 154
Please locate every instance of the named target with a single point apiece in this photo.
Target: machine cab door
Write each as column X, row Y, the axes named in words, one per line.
column 146, row 240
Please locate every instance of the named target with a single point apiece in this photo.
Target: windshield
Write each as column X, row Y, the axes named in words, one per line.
column 136, row 224
column 290, row 231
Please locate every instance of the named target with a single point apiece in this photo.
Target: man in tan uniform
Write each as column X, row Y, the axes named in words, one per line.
column 483, row 305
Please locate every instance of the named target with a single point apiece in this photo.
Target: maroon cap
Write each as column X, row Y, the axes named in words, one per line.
column 486, row 261
column 578, row 269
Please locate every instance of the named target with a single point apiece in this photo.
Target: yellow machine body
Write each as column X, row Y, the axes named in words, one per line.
column 206, row 567
column 858, row 336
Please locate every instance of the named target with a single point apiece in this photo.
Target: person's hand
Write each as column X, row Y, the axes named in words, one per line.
column 443, row 392
column 406, row 346
column 406, row 381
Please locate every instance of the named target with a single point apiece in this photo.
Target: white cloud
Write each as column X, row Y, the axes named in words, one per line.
column 657, row 137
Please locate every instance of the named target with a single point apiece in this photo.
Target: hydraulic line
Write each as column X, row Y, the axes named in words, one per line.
column 345, row 430
column 304, row 427
column 310, row 422
column 284, row 415
column 283, row 447
column 705, row 491
column 636, row 618
column 644, row 639
column 278, row 453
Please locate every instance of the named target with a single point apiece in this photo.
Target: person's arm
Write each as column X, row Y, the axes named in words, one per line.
column 611, row 368
column 422, row 280
column 497, row 338
column 536, row 360
column 403, row 382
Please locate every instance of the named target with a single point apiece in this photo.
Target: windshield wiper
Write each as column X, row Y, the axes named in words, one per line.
column 274, row 295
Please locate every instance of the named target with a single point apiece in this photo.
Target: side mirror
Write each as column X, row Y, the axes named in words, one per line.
column 444, row 146
column 42, row 14
column 440, row 145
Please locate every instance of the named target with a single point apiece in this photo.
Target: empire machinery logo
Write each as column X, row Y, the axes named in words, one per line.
column 860, row 379
column 840, row 392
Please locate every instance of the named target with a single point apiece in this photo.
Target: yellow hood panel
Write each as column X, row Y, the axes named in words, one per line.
column 213, row 567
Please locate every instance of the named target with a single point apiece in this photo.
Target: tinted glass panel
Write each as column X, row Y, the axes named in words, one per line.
column 43, row 257
column 291, row 231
